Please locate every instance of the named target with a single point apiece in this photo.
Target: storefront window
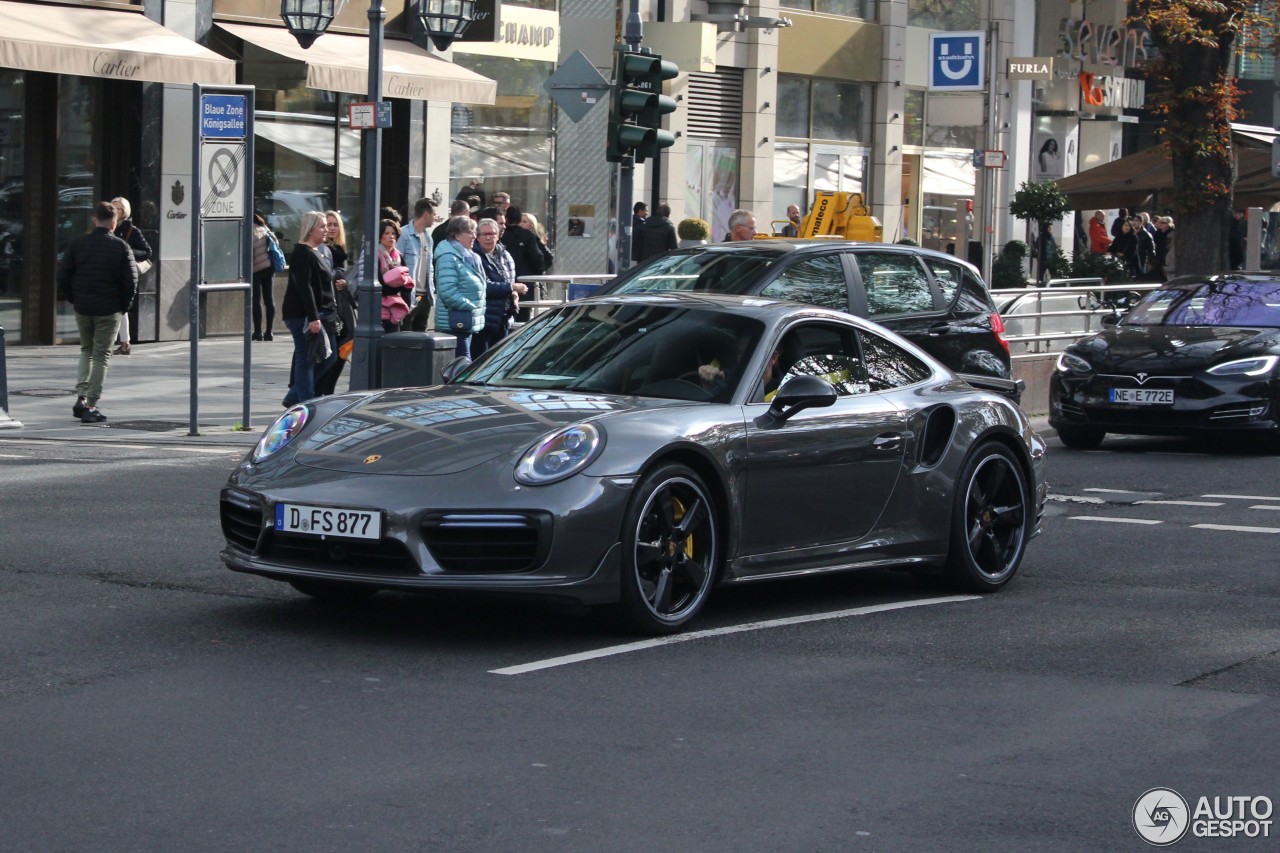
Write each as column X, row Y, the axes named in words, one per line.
column 849, row 8
column 790, row 178
column 945, row 14
column 913, row 109
column 12, row 94
column 793, row 106
column 841, row 111
column 506, row 146
column 76, row 172
column 299, row 142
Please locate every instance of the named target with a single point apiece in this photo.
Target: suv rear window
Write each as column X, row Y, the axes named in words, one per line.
column 717, row 272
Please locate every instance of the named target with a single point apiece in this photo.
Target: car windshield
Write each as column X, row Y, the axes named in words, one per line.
column 733, row 271
column 640, row 350
column 1215, row 303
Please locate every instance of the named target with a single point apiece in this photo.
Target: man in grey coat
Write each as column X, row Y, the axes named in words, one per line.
column 99, row 277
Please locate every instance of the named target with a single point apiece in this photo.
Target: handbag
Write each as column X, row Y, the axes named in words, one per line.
column 274, row 253
column 144, row 267
column 460, row 320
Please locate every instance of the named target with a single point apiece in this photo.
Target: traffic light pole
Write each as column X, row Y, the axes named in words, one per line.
column 633, row 35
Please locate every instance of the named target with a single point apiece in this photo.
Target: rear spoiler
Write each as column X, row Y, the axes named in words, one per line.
column 1011, row 388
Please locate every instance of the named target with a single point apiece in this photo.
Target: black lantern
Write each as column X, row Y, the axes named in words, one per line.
column 308, row 19
column 445, row 20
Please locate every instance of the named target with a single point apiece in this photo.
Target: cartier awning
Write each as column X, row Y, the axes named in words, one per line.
column 340, row 63
column 107, row 43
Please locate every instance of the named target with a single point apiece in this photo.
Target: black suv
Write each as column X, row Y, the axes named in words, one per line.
column 934, row 300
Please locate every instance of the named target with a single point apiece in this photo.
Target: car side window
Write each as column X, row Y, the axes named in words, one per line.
column 828, row 352
column 888, row 365
column 947, row 275
column 814, row 281
column 894, row 282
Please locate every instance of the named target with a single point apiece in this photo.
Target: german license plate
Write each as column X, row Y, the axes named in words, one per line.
column 328, row 521
column 1143, row 396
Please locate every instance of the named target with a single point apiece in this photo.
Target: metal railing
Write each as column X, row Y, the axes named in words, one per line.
column 1061, row 314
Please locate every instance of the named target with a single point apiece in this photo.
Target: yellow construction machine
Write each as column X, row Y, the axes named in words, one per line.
column 835, row 215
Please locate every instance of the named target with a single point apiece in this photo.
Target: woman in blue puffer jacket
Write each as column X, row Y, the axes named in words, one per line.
column 460, row 284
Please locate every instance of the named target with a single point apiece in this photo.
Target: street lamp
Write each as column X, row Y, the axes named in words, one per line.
column 307, row 20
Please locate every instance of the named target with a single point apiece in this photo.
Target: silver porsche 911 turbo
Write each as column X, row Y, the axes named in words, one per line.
column 639, row 450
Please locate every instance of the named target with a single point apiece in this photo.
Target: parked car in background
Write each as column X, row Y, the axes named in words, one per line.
column 1199, row 355
column 75, row 217
column 639, row 450
column 938, row 302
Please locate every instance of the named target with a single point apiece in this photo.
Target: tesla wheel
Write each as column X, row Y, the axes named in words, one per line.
column 1081, row 438
column 992, row 520
column 671, row 550
column 333, row 592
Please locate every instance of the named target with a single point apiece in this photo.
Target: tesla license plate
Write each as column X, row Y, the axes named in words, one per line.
column 1143, row 396
column 327, row 521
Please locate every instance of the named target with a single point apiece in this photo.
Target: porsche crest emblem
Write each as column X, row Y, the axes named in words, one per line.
column 369, row 460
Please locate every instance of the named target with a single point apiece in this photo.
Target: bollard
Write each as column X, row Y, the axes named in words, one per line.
column 4, row 376
column 6, row 422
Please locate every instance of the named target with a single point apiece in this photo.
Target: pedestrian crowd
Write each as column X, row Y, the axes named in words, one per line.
column 455, row 274
column 1143, row 243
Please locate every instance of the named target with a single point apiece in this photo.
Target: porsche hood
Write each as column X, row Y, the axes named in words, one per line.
column 436, row 431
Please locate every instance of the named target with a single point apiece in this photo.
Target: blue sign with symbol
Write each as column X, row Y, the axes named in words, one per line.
column 957, row 62
column 224, row 116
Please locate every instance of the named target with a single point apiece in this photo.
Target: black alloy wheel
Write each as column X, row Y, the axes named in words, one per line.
column 992, row 520
column 671, row 550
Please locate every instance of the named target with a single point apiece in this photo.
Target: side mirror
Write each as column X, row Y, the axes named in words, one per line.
column 1111, row 319
column 454, row 369
column 799, row 393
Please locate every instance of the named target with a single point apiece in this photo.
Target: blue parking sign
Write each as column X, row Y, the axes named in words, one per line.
column 957, row 62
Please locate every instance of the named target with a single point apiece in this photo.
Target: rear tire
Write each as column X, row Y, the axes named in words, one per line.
column 334, row 592
column 1081, row 438
column 991, row 521
column 671, row 550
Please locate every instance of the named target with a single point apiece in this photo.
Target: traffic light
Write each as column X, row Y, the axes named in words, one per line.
column 637, row 105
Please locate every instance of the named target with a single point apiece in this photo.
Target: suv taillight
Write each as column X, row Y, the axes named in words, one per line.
column 997, row 326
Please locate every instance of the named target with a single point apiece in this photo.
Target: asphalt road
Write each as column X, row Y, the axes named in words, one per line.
column 152, row 700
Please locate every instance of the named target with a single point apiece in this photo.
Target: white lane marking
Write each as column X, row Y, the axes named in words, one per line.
column 641, row 645
column 1183, row 503
column 1113, row 491
column 1244, row 497
column 1237, row 528
column 1264, row 506
column 1115, row 520
column 14, row 456
column 1077, row 499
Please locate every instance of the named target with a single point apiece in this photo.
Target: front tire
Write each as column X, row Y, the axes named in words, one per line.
column 671, row 550
column 991, row 521
column 1081, row 438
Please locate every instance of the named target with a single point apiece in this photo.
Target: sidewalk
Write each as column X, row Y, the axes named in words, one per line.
column 147, row 395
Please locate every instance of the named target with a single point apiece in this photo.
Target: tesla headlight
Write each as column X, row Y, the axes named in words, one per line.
column 560, row 455
column 280, row 433
column 1246, row 366
column 1068, row 363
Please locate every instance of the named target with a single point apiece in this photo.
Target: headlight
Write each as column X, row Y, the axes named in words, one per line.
column 1246, row 366
column 560, row 455
column 1068, row 363
column 280, row 433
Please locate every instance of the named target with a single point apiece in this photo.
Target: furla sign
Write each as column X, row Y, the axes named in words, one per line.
column 1030, row 68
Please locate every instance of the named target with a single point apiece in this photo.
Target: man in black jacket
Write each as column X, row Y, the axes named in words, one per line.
column 523, row 245
column 99, row 277
column 657, row 236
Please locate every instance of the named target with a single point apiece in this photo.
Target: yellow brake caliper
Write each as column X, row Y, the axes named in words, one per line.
column 678, row 512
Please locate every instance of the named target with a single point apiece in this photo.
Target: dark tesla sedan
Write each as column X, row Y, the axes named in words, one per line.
column 640, row 450
column 1197, row 356
column 935, row 300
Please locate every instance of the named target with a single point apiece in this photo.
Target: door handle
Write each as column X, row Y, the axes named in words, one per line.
column 940, row 329
column 888, row 441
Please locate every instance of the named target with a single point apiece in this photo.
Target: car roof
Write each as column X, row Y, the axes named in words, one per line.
column 762, row 308
column 789, row 245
